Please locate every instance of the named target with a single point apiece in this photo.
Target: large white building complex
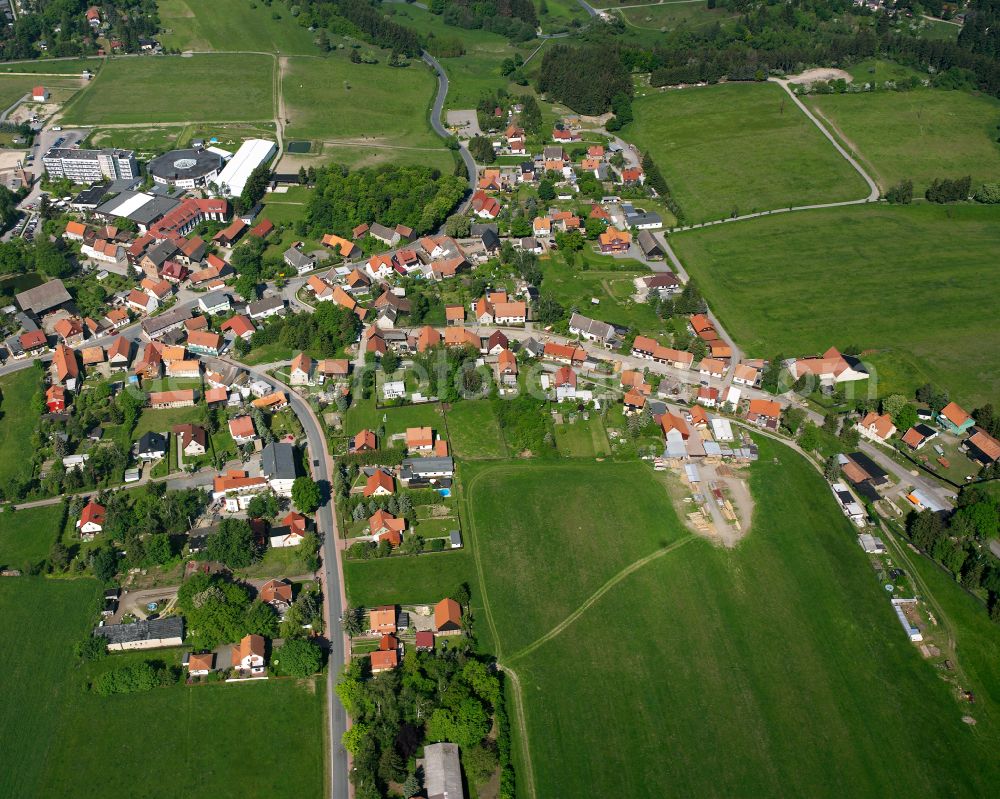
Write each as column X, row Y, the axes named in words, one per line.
column 187, row 169
column 252, row 153
column 90, row 166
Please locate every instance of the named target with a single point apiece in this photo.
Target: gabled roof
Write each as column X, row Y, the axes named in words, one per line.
column 92, row 513
column 955, row 414
column 379, row 479
column 767, row 408
column 447, row 612
column 64, row 361
column 241, row 427
column 365, row 439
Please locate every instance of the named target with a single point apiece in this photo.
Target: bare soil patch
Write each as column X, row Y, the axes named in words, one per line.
column 821, row 73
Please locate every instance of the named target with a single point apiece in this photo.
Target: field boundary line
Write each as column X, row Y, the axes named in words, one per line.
column 523, row 725
column 600, row 592
column 473, row 539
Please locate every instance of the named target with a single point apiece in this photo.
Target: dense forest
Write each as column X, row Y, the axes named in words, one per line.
column 416, row 196
column 585, row 78
column 515, row 19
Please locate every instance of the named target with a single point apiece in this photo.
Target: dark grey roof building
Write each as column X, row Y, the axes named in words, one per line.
column 44, row 297
column 164, row 632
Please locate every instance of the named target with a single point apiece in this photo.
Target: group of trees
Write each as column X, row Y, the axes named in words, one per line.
column 585, row 77
column 901, row 193
column 449, row 695
column 656, row 181
column 958, row 541
column 377, row 27
column 323, row 333
column 946, row 190
column 136, row 677
column 219, row 611
column 515, row 19
column 416, row 196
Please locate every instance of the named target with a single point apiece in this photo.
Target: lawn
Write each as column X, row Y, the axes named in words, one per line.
column 919, row 135
column 50, row 750
column 474, row 431
column 584, row 438
column 739, row 148
column 26, row 536
column 221, row 23
column 610, row 282
column 202, row 88
column 17, row 422
column 163, row 419
column 710, row 655
column 378, row 106
column 917, row 280
column 363, row 414
column 418, row 579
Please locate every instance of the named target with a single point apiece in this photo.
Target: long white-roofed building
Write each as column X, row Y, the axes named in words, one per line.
column 252, row 153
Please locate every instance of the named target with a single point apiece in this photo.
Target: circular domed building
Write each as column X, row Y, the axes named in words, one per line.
column 186, row 169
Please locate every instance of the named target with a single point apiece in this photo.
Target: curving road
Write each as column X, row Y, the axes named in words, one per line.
column 439, row 129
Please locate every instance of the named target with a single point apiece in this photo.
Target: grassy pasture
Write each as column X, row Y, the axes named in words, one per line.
column 201, row 88
column 388, row 105
column 713, row 656
column 418, row 579
column 221, row 23
column 50, row 750
column 910, row 279
column 739, row 147
column 51, row 66
column 920, row 135
column 27, row 535
column 17, row 422
column 474, row 431
column 13, row 87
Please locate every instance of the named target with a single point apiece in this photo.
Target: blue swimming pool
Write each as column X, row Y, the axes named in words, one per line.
column 444, row 492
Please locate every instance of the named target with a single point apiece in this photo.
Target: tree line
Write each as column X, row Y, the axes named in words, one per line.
column 515, row 19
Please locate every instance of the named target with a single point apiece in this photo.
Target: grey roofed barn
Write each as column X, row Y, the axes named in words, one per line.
column 44, row 297
column 171, row 627
column 277, row 461
column 443, row 772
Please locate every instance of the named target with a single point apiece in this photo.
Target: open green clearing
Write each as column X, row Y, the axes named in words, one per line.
column 694, row 15
column 606, row 280
column 201, row 88
column 739, row 147
column 73, row 66
column 232, row 25
column 373, row 101
column 920, row 135
column 583, row 438
column 710, row 655
column 914, row 282
column 52, row 723
column 363, row 414
column 474, row 432
column 417, row 579
column 18, row 419
column 27, row 535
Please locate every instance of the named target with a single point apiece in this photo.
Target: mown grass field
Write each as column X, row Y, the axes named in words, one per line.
column 156, row 744
column 914, row 280
column 201, row 88
column 387, row 105
column 222, row 24
column 739, row 147
column 692, row 670
column 919, row 135
column 418, row 579
column 13, row 87
column 51, row 66
column 27, row 535
column 17, row 422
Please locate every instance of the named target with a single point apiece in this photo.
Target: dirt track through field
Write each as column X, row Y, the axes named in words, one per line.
column 634, row 567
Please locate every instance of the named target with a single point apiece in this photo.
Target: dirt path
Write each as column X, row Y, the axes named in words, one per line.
column 529, row 773
column 630, row 569
column 855, row 150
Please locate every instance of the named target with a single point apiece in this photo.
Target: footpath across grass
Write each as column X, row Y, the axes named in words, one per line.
column 61, row 739
column 919, row 135
column 916, row 280
column 739, row 147
column 692, row 670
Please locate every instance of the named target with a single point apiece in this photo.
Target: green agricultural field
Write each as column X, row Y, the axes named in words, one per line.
column 473, row 431
column 920, row 135
column 50, row 750
column 27, row 535
column 739, row 148
column 376, row 105
column 232, row 25
column 648, row 637
column 201, row 88
column 18, row 419
column 914, row 280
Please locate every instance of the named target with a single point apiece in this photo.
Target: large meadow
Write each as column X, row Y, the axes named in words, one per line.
column 60, row 738
column 913, row 284
column 738, row 148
